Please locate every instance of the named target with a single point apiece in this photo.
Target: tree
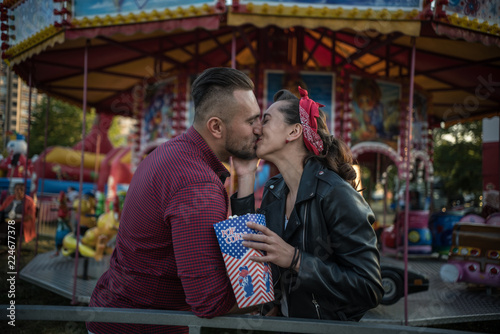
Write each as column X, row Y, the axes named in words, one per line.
column 64, row 125
column 119, row 131
column 458, row 158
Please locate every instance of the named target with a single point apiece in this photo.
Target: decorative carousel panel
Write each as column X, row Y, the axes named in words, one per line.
column 474, row 14
column 159, row 107
column 321, row 88
column 32, row 17
column 112, row 12
column 382, row 16
column 406, row 5
column 29, row 24
column 376, row 111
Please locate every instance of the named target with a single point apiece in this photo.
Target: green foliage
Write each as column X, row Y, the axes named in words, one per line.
column 115, row 133
column 64, row 125
column 458, row 158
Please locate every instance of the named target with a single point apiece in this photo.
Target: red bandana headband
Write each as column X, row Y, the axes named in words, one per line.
column 309, row 110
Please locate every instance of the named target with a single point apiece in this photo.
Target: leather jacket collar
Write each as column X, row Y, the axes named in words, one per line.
column 313, row 172
column 274, row 210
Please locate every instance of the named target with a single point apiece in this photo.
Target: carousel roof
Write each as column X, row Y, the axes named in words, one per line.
column 458, row 66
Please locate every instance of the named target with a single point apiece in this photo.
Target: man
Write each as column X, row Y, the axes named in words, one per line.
column 12, row 209
column 167, row 255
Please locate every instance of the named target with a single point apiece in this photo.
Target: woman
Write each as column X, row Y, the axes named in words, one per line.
column 12, row 210
column 318, row 236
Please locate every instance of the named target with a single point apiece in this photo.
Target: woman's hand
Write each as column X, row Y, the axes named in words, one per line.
column 245, row 167
column 277, row 250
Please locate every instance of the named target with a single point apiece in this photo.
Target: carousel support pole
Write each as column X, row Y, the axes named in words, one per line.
column 197, row 51
column 259, row 46
column 233, row 65
column 20, row 242
column 97, row 153
column 379, row 236
column 387, row 58
column 85, row 275
column 260, row 65
column 233, row 50
column 407, row 190
column 377, row 178
column 299, row 54
column 84, row 109
column 332, row 58
column 158, row 60
column 43, row 165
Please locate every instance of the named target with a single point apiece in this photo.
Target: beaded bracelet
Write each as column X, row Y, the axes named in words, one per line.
column 295, row 259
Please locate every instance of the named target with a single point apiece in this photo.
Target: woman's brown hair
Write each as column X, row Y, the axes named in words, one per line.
column 336, row 154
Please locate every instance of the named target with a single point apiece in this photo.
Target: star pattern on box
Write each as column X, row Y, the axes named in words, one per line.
column 229, row 233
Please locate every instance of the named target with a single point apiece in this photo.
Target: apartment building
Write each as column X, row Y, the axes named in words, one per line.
column 14, row 103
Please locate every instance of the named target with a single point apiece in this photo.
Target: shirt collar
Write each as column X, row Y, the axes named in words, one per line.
column 208, row 155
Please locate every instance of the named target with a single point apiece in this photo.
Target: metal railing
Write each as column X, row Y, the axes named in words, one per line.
column 180, row 318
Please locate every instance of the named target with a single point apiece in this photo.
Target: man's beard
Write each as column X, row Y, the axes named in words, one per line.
column 245, row 153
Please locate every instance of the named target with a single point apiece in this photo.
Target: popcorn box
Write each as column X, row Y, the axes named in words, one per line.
column 251, row 281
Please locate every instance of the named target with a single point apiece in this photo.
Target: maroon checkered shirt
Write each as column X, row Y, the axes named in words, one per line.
column 167, row 255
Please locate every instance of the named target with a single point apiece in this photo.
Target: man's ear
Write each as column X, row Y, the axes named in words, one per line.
column 215, row 127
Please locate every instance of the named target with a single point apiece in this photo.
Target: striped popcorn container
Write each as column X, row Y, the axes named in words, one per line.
column 251, row 281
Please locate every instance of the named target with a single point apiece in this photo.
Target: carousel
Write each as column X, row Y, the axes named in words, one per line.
column 387, row 72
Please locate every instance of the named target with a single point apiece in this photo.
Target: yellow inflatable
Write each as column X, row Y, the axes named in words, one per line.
column 69, row 157
column 87, row 217
column 95, row 241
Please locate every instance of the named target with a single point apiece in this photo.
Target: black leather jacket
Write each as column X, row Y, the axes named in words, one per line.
column 339, row 276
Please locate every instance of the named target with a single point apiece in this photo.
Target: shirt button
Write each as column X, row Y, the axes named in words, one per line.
column 311, row 194
column 321, row 173
column 271, row 186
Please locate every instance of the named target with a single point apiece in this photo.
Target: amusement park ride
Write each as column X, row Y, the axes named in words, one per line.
column 387, row 72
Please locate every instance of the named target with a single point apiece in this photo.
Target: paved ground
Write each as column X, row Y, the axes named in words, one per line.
column 443, row 303
column 57, row 274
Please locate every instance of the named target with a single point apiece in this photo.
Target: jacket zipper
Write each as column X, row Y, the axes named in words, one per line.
column 303, row 244
column 316, row 305
column 304, row 230
column 314, row 301
column 303, row 248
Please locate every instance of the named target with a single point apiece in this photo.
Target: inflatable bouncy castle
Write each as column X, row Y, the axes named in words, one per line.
column 103, row 165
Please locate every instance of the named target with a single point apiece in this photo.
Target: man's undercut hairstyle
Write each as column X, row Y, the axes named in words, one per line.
column 213, row 90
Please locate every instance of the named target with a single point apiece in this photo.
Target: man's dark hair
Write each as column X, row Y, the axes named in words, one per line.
column 18, row 185
column 212, row 92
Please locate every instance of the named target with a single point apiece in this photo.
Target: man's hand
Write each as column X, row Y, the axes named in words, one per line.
column 274, row 312
column 251, row 309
